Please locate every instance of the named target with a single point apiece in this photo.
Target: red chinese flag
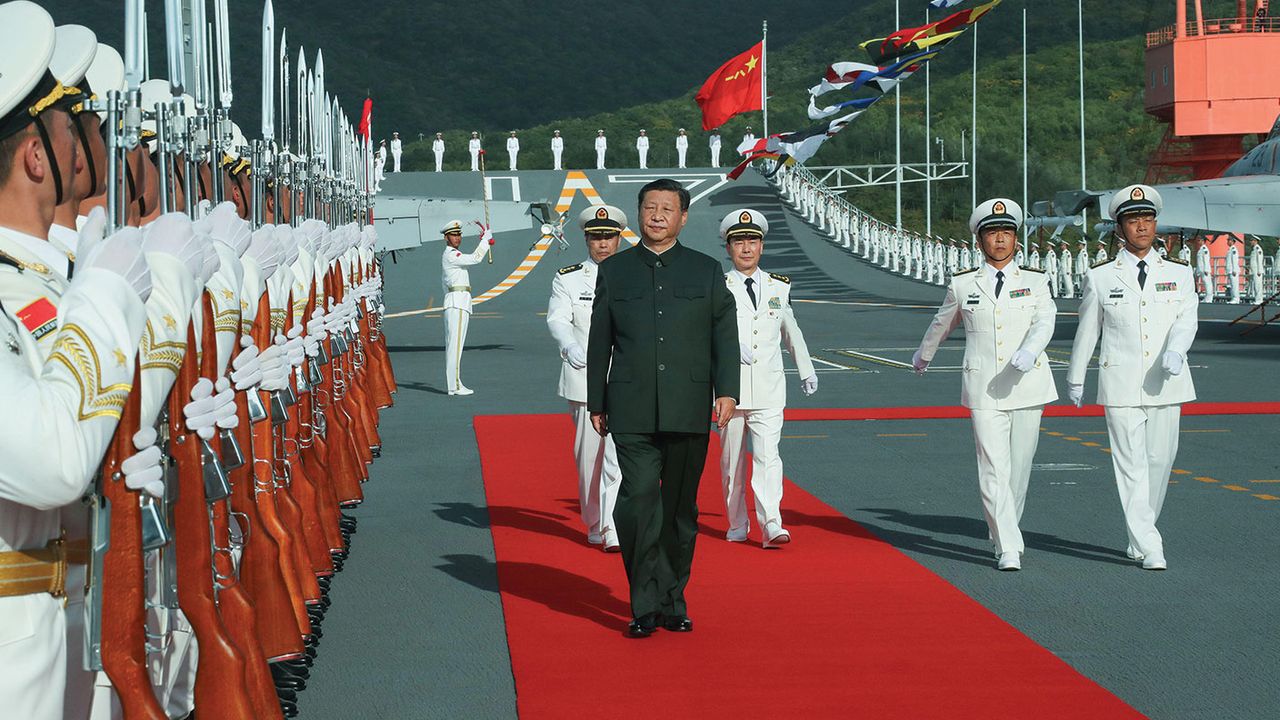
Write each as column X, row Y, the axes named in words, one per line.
column 366, row 118
column 733, row 88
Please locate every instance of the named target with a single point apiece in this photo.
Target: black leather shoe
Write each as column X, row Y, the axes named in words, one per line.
column 677, row 623
column 286, row 695
column 643, row 626
column 286, row 668
column 289, row 709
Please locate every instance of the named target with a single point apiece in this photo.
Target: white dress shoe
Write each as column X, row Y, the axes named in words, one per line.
column 736, row 534
column 1154, row 561
column 611, row 541
column 775, row 535
column 1009, row 561
column 595, row 538
column 462, row 391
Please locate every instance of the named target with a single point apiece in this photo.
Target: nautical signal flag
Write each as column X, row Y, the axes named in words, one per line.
column 735, row 87
column 934, row 34
column 944, row 3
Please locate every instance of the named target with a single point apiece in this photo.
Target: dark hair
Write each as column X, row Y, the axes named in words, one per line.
column 666, row 185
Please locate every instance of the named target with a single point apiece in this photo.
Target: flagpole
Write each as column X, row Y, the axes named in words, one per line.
column 897, row 124
column 764, row 75
column 1084, row 183
column 973, row 130
column 1026, row 253
column 928, row 151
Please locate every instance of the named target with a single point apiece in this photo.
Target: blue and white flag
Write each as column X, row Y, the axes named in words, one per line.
column 941, row 4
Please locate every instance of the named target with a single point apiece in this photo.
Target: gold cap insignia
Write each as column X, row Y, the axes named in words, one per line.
column 1137, row 194
column 998, row 208
column 602, row 214
column 744, row 217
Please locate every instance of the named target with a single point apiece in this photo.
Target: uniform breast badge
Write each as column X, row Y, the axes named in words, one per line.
column 1021, row 292
column 775, row 303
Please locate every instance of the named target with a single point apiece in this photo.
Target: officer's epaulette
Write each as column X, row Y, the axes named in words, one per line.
column 780, row 278
column 1028, row 268
column 964, row 272
column 571, row 268
column 1100, row 263
column 1178, row 261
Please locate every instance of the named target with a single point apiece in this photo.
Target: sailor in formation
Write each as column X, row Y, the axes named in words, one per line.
column 1204, row 271
column 397, row 149
column 766, row 323
column 642, row 149
column 569, row 319
column 1257, row 271
column 513, row 150
column 557, row 151
column 457, row 298
column 714, row 143
column 473, row 147
column 1066, row 271
column 602, row 145
column 1145, row 308
column 437, row 149
column 1008, row 320
column 1233, row 270
column 682, row 148
column 1051, row 271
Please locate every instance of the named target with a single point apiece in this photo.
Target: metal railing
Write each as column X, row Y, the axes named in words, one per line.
column 1222, row 26
column 845, row 177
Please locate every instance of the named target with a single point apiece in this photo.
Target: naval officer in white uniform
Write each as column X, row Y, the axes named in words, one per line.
column 1145, row 307
column 557, row 150
column 642, row 149
column 473, row 147
column 602, row 146
column 513, row 150
column 1008, row 320
column 437, row 149
column 765, row 323
column 573, row 290
column 457, row 299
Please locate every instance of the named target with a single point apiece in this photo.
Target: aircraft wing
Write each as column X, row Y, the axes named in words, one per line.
column 1245, row 204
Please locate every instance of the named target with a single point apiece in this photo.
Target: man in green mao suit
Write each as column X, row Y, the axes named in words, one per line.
column 664, row 336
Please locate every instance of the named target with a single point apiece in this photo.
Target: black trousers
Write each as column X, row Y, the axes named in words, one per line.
column 656, row 516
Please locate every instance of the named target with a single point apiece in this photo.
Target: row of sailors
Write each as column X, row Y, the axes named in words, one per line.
column 935, row 261
column 475, row 148
column 104, row 333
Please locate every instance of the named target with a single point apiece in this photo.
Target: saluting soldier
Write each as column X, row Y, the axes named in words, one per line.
column 1146, row 309
column 569, row 318
column 1008, row 321
column 437, row 149
column 663, row 344
column 765, row 323
column 457, row 299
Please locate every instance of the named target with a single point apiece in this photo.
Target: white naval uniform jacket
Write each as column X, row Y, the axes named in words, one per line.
column 33, row 294
column 1137, row 327
column 454, row 274
column 766, row 327
column 1022, row 318
column 573, row 290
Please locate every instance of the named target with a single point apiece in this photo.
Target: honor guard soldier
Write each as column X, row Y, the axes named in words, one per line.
column 1233, row 270
column 1145, row 307
column 602, row 145
column 1256, row 271
column 473, row 147
column 513, row 150
column 437, row 149
column 1184, row 251
column 557, row 150
column 569, row 318
column 457, row 299
column 663, row 346
column 642, row 149
column 379, row 166
column 1008, row 321
column 397, row 149
column 682, row 148
column 1066, row 272
column 73, row 54
column 1082, row 262
column 765, row 323
column 1204, row 270
column 714, row 143
column 1051, row 271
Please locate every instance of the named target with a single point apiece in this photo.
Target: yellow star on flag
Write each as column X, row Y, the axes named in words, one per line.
column 751, row 64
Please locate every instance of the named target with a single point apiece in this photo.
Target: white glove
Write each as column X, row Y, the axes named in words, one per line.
column 200, row 412
column 1022, row 361
column 172, row 234
column 275, row 371
column 1172, row 362
column 225, row 226
column 287, row 244
column 142, row 470
column 810, row 385
column 576, row 356
column 919, row 363
column 121, row 254
column 264, row 250
column 1076, row 393
column 745, row 356
column 224, row 405
column 246, row 368
column 294, row 349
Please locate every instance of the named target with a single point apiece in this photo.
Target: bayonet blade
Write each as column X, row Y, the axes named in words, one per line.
column 268, row 72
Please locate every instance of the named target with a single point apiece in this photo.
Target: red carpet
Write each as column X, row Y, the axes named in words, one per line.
column 947, row 412
column 836, row 625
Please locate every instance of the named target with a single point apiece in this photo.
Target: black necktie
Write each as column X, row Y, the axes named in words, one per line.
column 1142, row 274
column 999, row 281
column 752, row 293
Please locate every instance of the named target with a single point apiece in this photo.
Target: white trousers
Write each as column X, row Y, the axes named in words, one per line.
column 600, row 160
column 475, row 161
column 439, row 161
column 1233, row 285
column 765, row 427
column 1144, row 443
column 1006, row 442
column 33, row 656
column 511, row 155
column 455, row 337
column 1255, row 288
column 680, row 154
column 1207, row 281
column 555, row 157
column 644, row 160
column 598, row 472
column 395, row 162
column 715, row 156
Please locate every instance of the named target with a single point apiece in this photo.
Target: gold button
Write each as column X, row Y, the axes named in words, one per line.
column 1000, row 359
column 999, row 327
column 755, row 332
column 1146, row 354
column 1144, row 303
column 755, row 346
column 1000, row 342
column 1106, row 364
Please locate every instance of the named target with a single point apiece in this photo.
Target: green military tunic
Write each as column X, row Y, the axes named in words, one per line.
column 663, row 346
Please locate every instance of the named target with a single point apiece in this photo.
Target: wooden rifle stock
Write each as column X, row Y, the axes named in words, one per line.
column 220, row 689
column 313, row 457
column 234, row 604
column 124, row 622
